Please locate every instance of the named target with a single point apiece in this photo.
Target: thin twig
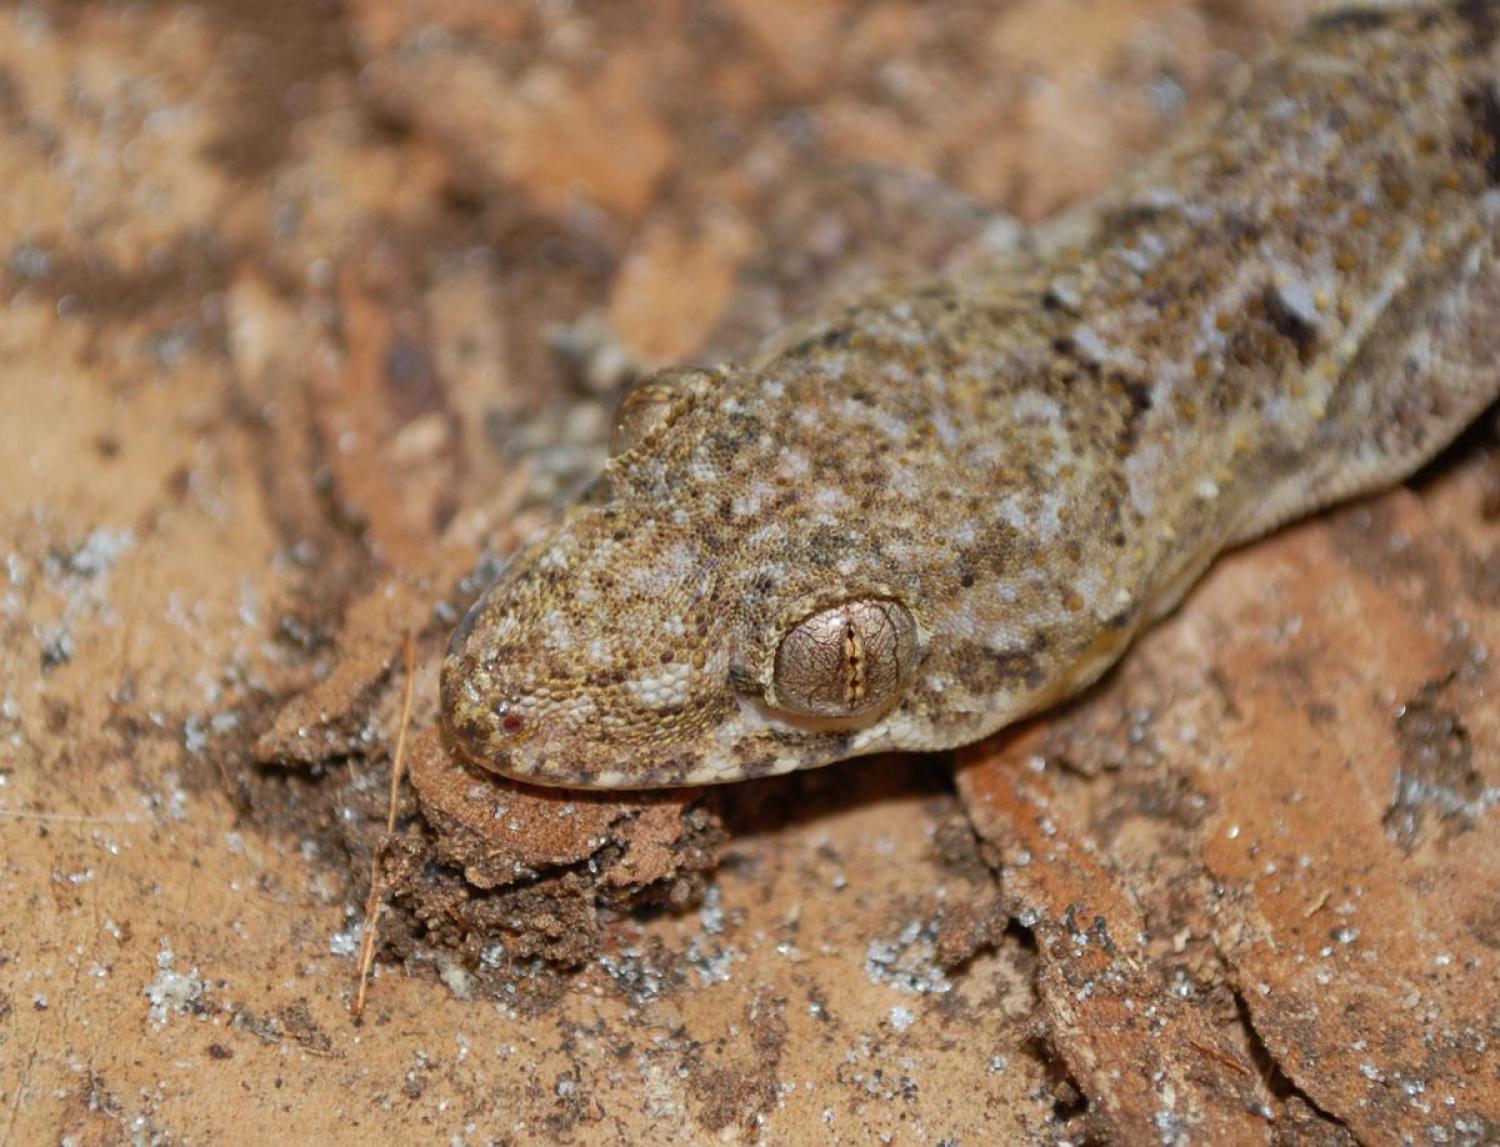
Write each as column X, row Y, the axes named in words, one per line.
column 1227, row 1060
column 376, row 900
column 408, row 664
column 1316, row 906
column 68, row 818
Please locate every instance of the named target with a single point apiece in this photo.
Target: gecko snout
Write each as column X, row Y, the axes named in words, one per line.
column 500, row 714
column 480, row 718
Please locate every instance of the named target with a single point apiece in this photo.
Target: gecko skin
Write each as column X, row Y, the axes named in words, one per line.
column 944, row 507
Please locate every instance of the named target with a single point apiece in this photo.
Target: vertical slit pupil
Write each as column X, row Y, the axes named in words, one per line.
column 854, row 685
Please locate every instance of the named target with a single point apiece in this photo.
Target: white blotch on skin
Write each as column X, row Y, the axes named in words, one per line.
column 888, row 424
column 793, row 465
column 669, row 570
column 667, row 687
column 1090, row 585
column 505, row 629
column 1093, row 348
column 747, row 505
column 907, row 483
column 581, row 712
column 985, row 456
column 1141, row 476
column 1062, row 454
column 1031, row 406
column 899, row 550
column 1298, row 298
column 1007, row 641
column 702, row 470
column 559, row 637
column 833, row 367
column 830, row 499
column 769, row 534
column 557, row 554
column 772, row 573
column 1005, row 591
column 1009, row 511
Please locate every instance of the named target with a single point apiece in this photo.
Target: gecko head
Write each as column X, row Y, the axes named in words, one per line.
column 739, row 594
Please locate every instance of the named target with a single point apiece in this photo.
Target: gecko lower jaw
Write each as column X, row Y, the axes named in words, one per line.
column 514, row 766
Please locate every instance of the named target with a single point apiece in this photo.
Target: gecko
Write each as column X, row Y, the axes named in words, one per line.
column 914, row 518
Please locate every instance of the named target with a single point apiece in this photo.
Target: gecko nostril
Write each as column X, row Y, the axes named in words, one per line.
column 509, row 720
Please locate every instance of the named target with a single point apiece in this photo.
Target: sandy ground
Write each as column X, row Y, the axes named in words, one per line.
column 313, row 311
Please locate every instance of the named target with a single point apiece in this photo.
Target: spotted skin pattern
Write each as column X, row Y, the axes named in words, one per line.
column 1298, row 304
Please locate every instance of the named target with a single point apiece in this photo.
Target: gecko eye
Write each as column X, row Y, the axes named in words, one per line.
column 653, row 403
column 847, row 660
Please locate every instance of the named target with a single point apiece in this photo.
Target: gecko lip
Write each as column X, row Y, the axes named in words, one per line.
column 480, row 748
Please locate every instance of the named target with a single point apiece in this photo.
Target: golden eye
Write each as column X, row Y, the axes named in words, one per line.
column 653, row 403
column 850, row 659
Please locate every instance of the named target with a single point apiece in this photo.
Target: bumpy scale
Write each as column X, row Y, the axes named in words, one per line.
column 945, row 507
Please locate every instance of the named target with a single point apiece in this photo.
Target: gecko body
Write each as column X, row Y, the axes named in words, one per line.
column 921, row 516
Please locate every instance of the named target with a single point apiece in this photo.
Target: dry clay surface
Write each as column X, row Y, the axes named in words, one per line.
column 313, row 312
